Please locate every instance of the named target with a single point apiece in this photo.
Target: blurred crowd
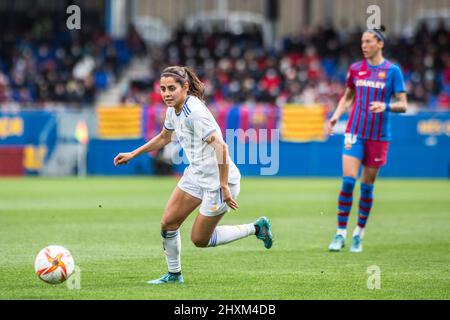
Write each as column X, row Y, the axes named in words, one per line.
column 43, row 65
column 307, row 68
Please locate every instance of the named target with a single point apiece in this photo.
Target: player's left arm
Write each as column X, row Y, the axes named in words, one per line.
column 399, row 106
column 401, row 103
column 221, row 150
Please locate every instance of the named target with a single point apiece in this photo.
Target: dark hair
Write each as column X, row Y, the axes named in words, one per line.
column 181, row 75
column 378, row 33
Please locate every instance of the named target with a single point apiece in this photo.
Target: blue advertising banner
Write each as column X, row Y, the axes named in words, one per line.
column 26, row 127
column 420, row 148
column 35, row 131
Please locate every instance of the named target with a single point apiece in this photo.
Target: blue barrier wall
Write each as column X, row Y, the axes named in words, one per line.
column 325, row 159
column 101, row 154
column 28, row 127
column 420, row 148
column 35, row 130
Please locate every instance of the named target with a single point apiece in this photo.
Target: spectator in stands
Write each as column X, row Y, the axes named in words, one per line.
column 309, row 68
column 47, row 64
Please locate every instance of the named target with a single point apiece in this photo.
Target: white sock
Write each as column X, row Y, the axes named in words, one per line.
column 227, row 234
column 172, row 249
column 342, row 232
column 358, row 231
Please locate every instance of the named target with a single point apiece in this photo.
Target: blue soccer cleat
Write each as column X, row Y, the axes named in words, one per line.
column 168, row 278
column 337, row 244
column 356, row 244
column 264, row 233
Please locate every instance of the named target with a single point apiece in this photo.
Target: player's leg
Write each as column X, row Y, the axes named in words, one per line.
column 203, row 229
column 206, row 233
column 178, row 208
column 368, row 177
column 350, row 169
column 351, row 162
column 375, row 157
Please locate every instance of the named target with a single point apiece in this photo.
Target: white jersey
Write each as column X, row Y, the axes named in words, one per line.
column 192, row 126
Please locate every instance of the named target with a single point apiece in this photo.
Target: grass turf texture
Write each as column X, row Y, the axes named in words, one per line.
column 111, row 226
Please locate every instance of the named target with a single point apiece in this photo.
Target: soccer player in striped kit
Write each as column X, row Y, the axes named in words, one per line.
column 371, row 83
column 211, row 181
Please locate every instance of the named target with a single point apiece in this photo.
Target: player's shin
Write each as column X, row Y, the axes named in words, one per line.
column 365, row 205
column 226, row 234
column 172, row 249
column 345, row 201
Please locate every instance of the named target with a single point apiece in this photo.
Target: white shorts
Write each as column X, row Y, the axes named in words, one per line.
column 212, row 201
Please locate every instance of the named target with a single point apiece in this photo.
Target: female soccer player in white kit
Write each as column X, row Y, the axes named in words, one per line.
column 211, row 180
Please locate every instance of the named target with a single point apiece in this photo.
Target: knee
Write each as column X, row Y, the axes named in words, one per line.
column 348, row 183
column 167, row 225
column 199, row 242
column 368, row 181
column 368, row 178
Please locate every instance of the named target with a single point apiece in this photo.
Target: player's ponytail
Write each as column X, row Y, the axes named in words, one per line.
column 196, row 87
column 183, row 74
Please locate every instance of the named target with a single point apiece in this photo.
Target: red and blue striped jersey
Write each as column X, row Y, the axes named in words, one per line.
column 372, row 83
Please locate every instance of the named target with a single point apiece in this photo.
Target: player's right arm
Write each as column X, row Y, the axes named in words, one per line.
column 344, row 103
column 156, row 143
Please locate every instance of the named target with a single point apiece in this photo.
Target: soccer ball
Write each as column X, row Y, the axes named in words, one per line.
column 54, row 264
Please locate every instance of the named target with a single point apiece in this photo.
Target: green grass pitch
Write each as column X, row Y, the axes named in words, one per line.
column 111, row 226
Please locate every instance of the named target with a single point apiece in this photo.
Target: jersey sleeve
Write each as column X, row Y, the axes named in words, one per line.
column 202, row 123
column 349, row 82
column 397, row 80
column 168, row 125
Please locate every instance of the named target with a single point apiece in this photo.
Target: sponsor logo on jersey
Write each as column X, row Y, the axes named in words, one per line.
column 370, row 84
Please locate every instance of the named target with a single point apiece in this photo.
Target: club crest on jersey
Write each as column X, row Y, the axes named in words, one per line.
column 382, row 75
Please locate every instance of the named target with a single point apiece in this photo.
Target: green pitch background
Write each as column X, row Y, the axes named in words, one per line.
column 111, row 226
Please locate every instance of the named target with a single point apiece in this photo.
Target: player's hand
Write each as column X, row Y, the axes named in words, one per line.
column 330, row 125
column 123, row 158
column 228, row 198
column 377, row 106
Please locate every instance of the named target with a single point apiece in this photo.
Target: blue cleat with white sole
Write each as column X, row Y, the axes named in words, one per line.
column 168, row 278
column 356, row 244
column 337, row 244
column 264, row 232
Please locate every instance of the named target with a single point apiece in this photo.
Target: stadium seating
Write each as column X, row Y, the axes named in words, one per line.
column 309, row 67
column 59, row 66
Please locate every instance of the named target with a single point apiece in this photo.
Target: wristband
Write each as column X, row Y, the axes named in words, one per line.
column 388, row 107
